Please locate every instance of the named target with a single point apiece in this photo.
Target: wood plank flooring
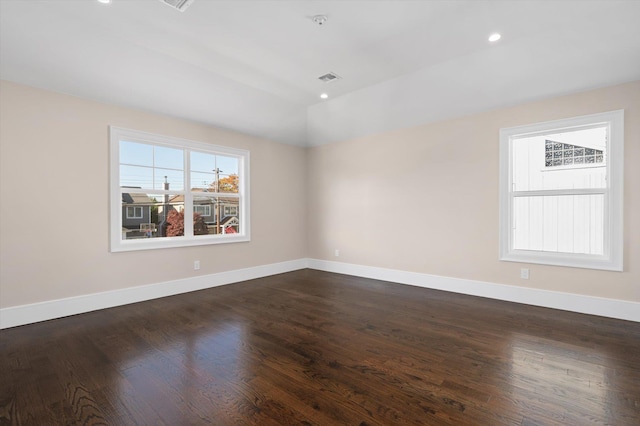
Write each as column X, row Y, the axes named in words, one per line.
column 315, row 348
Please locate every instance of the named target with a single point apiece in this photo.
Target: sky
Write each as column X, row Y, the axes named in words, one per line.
column 145, row 166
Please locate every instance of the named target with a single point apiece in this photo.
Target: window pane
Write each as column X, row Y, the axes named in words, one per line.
column 201, row 162
column 214, row 173
column 567, row 160
column 147, row 166
column 567, row 223
column 206, row 209
column 205, row 214
column 136, row 177
column 228, row 173
column 230, row 211
column 143, row 215
column 138, row 154
column 228, row 165
column 168, row 158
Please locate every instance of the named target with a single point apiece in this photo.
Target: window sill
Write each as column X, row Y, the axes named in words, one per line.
column 173, row 242
column 563, row 259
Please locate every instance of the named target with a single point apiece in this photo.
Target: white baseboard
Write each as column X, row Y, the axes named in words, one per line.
column 36, row 312
column 612, row 308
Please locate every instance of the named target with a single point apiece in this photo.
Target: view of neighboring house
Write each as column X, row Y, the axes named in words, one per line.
column 229, row 225
column 560, row 222
column 136, row 215
column 142, row 216
column 208, row 207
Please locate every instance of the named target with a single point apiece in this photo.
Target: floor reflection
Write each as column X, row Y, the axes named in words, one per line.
column 561, row 377
column 194, row 368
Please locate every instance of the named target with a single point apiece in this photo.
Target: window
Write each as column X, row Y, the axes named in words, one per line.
column 230, row 210
column 134, row 212
column 561, row 192
column 165, row 191
column 202, row 210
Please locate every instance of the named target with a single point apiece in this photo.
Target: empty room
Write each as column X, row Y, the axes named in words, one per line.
column 305, row 212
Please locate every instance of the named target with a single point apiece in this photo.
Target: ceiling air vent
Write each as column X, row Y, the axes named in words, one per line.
column 329, row 77
column 181, row 5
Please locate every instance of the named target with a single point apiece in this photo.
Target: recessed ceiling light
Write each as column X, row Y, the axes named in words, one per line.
column 104, row 1
column 324, row 96
column 494, row 37
column 320, row 20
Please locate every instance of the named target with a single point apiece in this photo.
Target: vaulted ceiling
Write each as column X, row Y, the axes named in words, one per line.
column 253, row 66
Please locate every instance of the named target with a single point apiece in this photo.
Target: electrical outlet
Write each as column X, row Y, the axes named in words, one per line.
column 336, row 253
column 524, row 273
column 196, row 265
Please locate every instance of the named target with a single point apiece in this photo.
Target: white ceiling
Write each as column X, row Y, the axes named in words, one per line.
column 252, row 66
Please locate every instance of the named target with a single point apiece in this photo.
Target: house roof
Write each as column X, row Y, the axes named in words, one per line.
column 136, row 198
column 225, row 220
column 253, row 66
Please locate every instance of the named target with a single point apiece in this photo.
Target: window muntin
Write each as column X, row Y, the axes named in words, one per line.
column 564, row 214
column 153, row 172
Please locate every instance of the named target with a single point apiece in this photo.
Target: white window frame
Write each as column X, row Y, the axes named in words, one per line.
column 612, row 258
column 117, row 244
column 134, row 209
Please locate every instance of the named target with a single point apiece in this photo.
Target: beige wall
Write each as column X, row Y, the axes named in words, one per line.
column 425, row 199
column 54, row 224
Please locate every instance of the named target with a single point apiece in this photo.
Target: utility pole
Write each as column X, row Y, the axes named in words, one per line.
column 217, row 187
column 165, row 198
column 165, row 207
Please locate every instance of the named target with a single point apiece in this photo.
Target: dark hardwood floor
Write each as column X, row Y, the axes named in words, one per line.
column 312, row 347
